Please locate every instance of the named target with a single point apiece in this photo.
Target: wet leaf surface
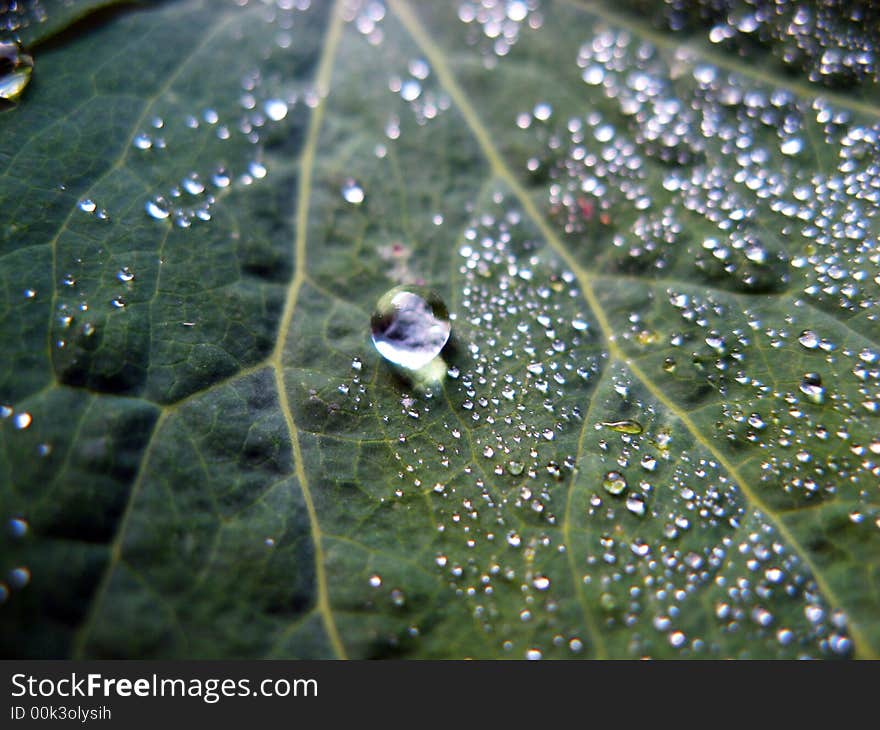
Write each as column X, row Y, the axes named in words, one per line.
column 656, row 237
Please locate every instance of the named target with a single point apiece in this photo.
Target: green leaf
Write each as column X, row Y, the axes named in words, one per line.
column 658, row 433
column 32, row 22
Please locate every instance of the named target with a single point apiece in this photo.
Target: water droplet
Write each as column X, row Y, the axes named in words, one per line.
column 809, row 339
column 791, row 146
column 614, row 483
column 125, row 274
column 410, row 90
column 635, row 503
column 142, row 142
column 811, row 386
column 221, row 178
column 541, row 582
column 276, row 109
column 352, row 192
column 15, row 71
column 193, row 185
column 18, row 527
column 21, row 420
column 542, row 111
column 410, row 326
column 628, row 426
column 375, row 580
column 157, row 209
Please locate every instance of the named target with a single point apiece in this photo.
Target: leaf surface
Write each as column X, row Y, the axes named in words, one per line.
column 662, row 262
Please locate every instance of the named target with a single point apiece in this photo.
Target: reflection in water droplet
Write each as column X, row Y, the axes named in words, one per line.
column 410, row 326
column 15, row 71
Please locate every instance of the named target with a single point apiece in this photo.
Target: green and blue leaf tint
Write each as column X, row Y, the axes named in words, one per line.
column 658, row 430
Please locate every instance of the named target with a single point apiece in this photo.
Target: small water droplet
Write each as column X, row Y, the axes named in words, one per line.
column 809, row 339
column 157, row 209
column 541, row 582
column 352, row 192
column 193, row 185
column 791, row 146
column 811, row 386
column 635, row 503
column 276, row 109
column 614, row 483
column 410, row 90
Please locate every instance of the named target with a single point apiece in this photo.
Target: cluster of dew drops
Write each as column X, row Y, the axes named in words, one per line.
column 262, row 104
column 702, row 133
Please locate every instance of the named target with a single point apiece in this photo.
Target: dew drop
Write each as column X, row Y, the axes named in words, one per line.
column 614, row 483
column 635, row 503
column 809, row 339
column 628, row 426
column 410, row 90
column 15, row 71
column 142, row 142
column 276, row 109
column 811, row 386
column 410, row 326
column 352, row 192
column 791, row 146
column 541, row 582
column 156, row 209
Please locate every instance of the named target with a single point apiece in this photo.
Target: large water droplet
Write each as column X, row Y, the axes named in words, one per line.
column 15, row 71
column 410, row 326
